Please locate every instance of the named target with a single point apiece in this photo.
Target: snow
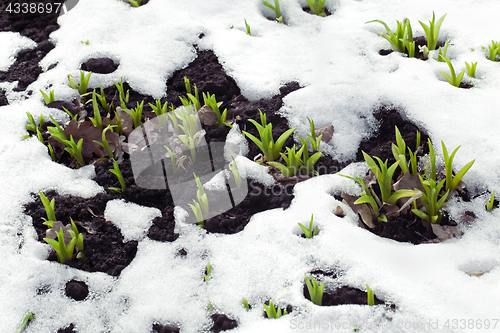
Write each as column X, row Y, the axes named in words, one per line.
column 336, row 60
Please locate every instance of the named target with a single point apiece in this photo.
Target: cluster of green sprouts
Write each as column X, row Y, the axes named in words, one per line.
column 309, row 232
column 295, row 161
column 431, row 195
column 65, row 245
column 200, row 206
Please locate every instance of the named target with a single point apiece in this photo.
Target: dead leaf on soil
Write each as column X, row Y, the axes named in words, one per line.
column 364, row 212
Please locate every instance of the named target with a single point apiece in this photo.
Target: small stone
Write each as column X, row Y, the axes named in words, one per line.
column 207, row 116
column 339, row 212
column 327, row 133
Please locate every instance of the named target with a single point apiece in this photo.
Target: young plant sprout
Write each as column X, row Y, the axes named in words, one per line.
column 82, row 86
column 87, row 42
column 308, row 162
column 79, row 240
column 370, row 296
column 75, row 116
column 32, row 126
column 452, row 182
column 136, row 114
column 245, row 303
column 432, row 203
column 442, row 52
column 195, row 99
column 271, row 311
column 27, row 318
column 57, row 132
column 172, row 159
column 201, row 195
column 266, row 143
column 368, row 198
column 160, row 110
column 105, row 143
column 430, row 170
column 49, row 209
column 489, row 203
column 234, row 169
column 399, row 151
column 309, row 233
column 97, row 120
column 209, row 270
column 315, row 290
column 454, row 80
column 124, row 97
column 116, row 171
column 471, row 69
column 317, row 7
column 315, row 141
column 64, row 252
column 75, row 150
column 212, row 103
column 293, row 162
column 432, row 31
column 276, row 9
column 403, row 32
column 48, row 98
column 384, row 180
column 136, row 3
column 249, row 33
column 196, row 208
column 493, row 50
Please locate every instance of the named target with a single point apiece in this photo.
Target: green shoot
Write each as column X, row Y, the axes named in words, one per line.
column 430, row 170
column 79, row 240
column 57, row 132
column 399, row 151
column 83, row 85
column 315, row 290
column 403, row 33
column 27, row 318
column 293, row 162
column 272, row 313
column 245, row 303
column 116, row 171
column 370, row 296
column 172, row 159
column 105, row 143
column 51, row 151
column 367, row 197
column 489, row 203
column 234, row 169
column 384, row 180
column 308, row 162
column 266, row 143
column 97, row 120
column 160, row 110
column 248, row 28
column 49, row 209
column 209, row 270
column 191, row 143
column 70, row 114
column 136, row 3
column 196, row 208
column 315, row 141
column 102, row 99
column 432, row 30
column 48, row 98
column 212, row 103
column 432, row 203
column 195, row 99
column 317, row 7
column 471, row 69
column 75, row 150
column 32, row 126
column 63, row 252
column 425, row 52
column 124, row 97
column 452, row 182
column 493, row 50
column 276, row 9
column 309, row 233
column 201, row 195
column 87, row 42
column 454, row 80
column 136, row 114
column 442, row 52
column 39, row 136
